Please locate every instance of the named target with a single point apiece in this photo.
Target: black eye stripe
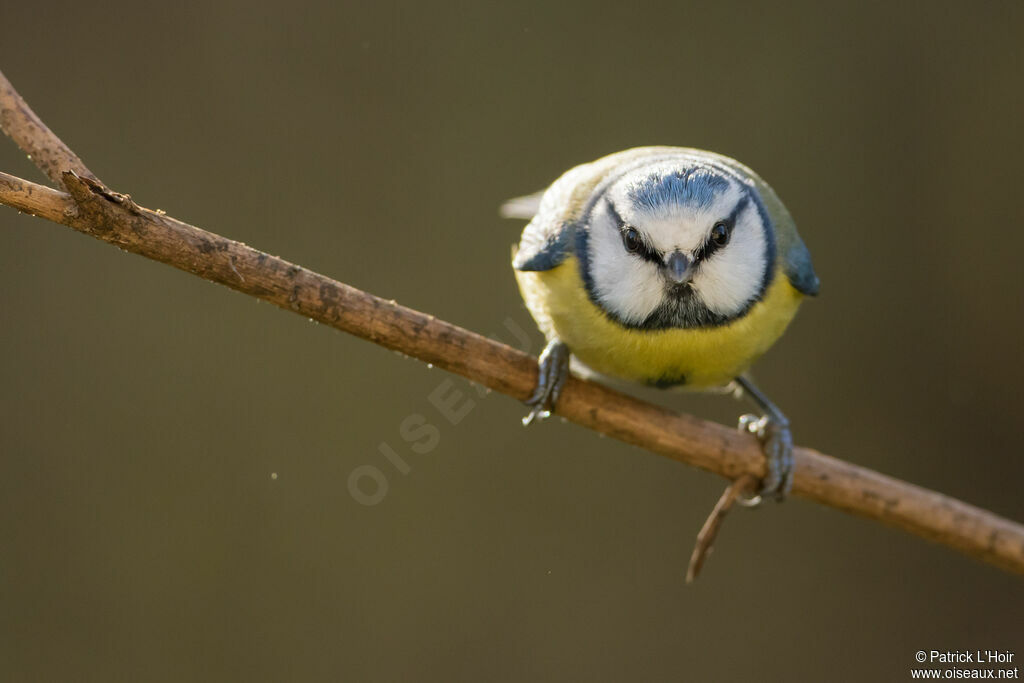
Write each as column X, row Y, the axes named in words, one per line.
column 740, row 205
column 614, row 213
column 645, row 251
column 706, row 250
column 710, row 246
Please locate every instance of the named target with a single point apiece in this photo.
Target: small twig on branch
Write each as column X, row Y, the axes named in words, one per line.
column 114, row 218
column 709, row 532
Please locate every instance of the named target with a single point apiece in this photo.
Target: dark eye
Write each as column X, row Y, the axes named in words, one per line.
column 720, row 233
column 631, row 240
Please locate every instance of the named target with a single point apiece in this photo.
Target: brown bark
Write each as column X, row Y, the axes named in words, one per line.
column 45, row 149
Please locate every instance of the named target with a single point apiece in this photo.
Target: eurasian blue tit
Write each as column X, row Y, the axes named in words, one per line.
column 669, row 266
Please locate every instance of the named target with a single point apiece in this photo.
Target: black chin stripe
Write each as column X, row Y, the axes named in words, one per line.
column 687, row 312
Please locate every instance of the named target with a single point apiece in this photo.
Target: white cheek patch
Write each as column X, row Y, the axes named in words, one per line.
column 731, row 277
column 627, row 286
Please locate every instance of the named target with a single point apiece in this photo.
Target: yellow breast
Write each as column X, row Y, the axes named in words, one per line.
column 701, row 358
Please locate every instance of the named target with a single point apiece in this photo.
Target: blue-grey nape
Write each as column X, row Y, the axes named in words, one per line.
column 694, row 187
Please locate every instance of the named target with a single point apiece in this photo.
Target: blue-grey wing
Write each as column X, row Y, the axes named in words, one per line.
column 799, row 269
column 796, row 259
column 545, row 243
column 547, row 238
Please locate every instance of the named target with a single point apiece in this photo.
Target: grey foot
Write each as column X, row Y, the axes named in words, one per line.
column 554, row 371
column 777, row 442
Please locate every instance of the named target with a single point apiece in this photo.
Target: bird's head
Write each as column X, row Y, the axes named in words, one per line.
column 677, row 245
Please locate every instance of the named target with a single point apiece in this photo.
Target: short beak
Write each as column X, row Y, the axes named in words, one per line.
column 677, row 267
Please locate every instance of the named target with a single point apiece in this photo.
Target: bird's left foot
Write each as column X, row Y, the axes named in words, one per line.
column 777, row 442
column 554, row 371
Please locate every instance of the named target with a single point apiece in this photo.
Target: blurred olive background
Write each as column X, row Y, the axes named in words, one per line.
column 144, row 413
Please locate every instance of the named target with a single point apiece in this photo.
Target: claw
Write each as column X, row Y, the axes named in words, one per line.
column 554, row 371
column 777, row 442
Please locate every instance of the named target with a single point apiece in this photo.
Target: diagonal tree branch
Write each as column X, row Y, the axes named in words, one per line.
column 91, row 208
column 44, row 148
